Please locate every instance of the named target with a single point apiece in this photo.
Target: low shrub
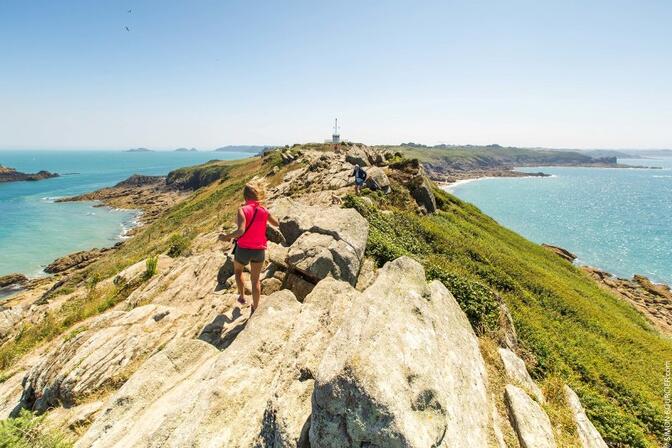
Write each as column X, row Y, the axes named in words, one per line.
column 179, row 245
column 151, row 266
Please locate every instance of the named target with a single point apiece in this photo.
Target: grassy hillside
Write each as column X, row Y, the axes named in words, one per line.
column 569, row 326
column 487, row 157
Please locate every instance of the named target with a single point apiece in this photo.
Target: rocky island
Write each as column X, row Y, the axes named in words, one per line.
column 11, row 175
column 139, row 150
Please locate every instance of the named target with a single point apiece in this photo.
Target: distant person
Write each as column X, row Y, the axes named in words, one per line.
column 249, row 246
column 360, row 178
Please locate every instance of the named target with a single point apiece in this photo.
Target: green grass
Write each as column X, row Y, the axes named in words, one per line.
column 575, row 330
column 28, row 431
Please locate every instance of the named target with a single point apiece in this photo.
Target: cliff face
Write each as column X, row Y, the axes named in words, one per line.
column 341, row 353
column 11, row 175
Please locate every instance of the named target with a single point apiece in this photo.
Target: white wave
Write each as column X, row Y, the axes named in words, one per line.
column 51, row 199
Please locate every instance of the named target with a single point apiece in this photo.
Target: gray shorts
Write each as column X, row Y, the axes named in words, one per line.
column 245, row 256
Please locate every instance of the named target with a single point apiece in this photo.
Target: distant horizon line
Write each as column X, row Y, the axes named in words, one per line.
column 189, row 148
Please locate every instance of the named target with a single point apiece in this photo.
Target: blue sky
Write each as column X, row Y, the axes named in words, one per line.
column 579, row 74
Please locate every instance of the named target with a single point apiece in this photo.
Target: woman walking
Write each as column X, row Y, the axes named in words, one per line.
column 249, row 245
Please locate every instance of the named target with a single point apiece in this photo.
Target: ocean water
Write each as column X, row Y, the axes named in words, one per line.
column 34, row 230
column 619, row 220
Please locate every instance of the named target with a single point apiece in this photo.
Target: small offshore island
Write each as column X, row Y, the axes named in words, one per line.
column 11, row 175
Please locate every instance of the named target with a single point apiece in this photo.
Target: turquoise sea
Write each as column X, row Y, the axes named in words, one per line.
column 34, row 230
column 619, row 220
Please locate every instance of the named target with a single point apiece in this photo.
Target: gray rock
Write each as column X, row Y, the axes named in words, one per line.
column 277, row 255
column 377, row 180
column 517, row 373
column 12, row 279
column 423, row 195
column 588, row 434
column 325, row 241
column 257, row 392
column 226, row 270
column 274, row 235
column 367, row 274
column 529, row 420
column 341, row 223
column 357, row 156
column 298, row 285
column 318, row 256
column 404, row 370
column 84, row 362
column 270, row 285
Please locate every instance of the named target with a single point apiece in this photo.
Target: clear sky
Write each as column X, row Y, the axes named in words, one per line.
column 566, row 73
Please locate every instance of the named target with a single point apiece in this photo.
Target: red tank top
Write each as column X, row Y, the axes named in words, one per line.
column 255, row 235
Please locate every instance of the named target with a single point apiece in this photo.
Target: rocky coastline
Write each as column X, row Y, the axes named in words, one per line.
column 150, row 195
column 11, row 175
column 653, row 300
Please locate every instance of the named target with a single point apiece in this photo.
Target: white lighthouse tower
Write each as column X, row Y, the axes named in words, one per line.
column 336, row 137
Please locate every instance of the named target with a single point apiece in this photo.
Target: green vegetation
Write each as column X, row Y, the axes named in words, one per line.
column 179, row 245
column 28, row 431
column 491, row 156
column 151, row 266
column 571, row 328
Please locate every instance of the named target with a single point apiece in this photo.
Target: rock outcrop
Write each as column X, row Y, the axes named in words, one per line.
column 12, row 279
column 322, row 241
column 377, row 180
column 82, row 363
column 404, row 370
column 517, row 372
column 560, row 252
column 289, row 378
column 75, row 260
column 529, row 420
column 588, row 435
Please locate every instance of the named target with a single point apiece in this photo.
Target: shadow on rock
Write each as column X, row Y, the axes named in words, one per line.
column 224, row 329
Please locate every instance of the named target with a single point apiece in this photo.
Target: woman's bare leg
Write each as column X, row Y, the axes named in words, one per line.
column 255, row 272
column 238, row 271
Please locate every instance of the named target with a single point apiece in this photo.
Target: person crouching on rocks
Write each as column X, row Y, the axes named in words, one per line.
column 249, row 241
column 360, row 178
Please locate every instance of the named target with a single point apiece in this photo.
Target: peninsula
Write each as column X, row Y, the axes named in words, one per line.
column 403, row 302
column 450, row 163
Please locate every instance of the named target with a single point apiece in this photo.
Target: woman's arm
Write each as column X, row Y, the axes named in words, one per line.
column 239, row 231
column 272, row 220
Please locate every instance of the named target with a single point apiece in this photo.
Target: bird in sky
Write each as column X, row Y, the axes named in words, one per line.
column 127, row 28
column 129, row 11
